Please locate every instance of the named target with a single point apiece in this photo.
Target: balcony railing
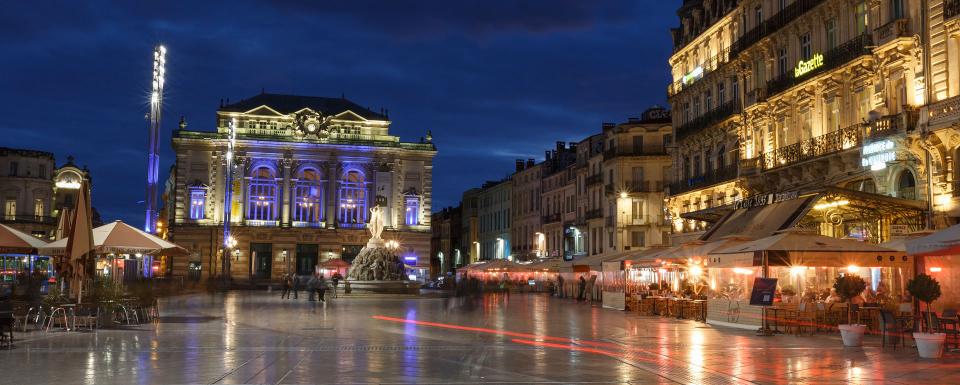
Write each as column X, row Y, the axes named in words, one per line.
column 892, row 30
column 594, row 179
column 711, row 178
column 708, row 119
column 260, row 223
column 951, row 8
column 595, row 213
column 843, row 139
column 615, row 152
column 551, row 218
column 43, row 220
column 318, row 225
column 773, row 24
column 893, row 124
column 945, row 111
column 707, row 67
column 852, row 49
column 634, row 186
column 352, row 225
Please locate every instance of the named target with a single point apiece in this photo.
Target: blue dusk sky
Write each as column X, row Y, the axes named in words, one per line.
column 493, row 80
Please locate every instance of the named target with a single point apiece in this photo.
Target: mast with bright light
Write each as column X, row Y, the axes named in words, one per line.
column 153, row 138
column 228, row 242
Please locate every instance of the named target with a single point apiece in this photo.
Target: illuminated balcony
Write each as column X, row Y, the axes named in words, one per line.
column 823, row 145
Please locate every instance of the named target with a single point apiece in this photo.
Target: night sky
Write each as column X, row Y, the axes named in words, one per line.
column 493, row 80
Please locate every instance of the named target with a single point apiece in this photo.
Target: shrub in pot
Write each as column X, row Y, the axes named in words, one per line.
column 787, row 293
column 926, row 289
column 847, row 287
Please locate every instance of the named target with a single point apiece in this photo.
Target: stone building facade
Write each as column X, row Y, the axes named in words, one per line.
column 307, row 171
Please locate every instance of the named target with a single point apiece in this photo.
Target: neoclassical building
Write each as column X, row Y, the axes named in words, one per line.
column 306, row 172
column 779, row 99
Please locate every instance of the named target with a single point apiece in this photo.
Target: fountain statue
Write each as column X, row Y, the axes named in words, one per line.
column 378, row 269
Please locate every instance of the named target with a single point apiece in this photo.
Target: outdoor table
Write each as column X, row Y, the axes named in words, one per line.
column 776, row 311
column 701, row 307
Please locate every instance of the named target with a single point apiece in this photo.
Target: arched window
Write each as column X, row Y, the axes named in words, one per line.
column 412, row 210
column 353, row 200
column 906, row 185
column 308, row 197
column 262, row 195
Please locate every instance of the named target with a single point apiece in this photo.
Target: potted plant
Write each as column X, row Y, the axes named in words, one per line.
column 847, row 287
column 787, row 293
column 926, row 289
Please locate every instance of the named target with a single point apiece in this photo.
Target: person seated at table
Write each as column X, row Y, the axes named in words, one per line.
column 869, row 296
column 833, row 297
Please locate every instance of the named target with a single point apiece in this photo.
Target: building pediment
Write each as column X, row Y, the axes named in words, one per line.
column 263, row 110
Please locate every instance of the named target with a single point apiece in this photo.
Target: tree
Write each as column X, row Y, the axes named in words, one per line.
column 925, row 289
column 847, row 287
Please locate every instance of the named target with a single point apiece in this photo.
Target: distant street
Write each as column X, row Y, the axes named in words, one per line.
column 253, row 337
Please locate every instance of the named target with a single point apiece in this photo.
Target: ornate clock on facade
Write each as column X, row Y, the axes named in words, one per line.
column 309, row 123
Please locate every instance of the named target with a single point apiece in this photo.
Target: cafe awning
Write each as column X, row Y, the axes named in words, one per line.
column 16, row 241
column 943, row 242
column 802, row 248
column 120, row 238
column 760, row 221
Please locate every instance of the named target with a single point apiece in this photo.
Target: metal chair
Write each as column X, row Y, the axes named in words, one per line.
column 949, row 325
column 889, row 324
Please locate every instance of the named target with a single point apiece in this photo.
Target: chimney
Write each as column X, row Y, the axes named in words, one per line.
column 560, row 146
column 546, row 155
column 519, row 165
column 530, row 162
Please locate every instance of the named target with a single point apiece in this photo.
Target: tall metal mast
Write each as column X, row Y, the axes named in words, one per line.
column 228, row 241
column 153, row 136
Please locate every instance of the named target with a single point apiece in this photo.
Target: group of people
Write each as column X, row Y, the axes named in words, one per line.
column 316, row 285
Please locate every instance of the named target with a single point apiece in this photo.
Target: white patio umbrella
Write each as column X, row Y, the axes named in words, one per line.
column 121, row 238
column 80, row 242
column 18, row 242
column 943, row 242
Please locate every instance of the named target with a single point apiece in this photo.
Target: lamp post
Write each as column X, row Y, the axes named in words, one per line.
column 228, row 241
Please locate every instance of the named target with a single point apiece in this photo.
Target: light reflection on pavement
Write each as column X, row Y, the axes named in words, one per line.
column 249, row 337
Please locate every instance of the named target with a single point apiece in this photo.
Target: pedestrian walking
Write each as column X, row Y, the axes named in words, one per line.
column 336, row 281
column 312, row 286
column 296, row 285
column 582, row 289
column 560, row 286
column 321, row 287
column 286, row 286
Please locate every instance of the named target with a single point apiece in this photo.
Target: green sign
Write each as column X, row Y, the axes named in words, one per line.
column 803, row 67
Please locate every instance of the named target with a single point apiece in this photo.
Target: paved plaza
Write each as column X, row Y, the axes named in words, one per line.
column 257, row 338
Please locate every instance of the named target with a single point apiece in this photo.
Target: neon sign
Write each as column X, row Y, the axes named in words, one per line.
column 876, row 155
column 693, row 75
column 804, row 67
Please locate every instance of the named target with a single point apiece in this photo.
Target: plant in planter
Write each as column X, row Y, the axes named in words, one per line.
column 787, row 293
column 926, row 289
column 847, row 287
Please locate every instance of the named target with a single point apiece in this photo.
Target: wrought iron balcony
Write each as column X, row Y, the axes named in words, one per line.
column 615, row 152
column 710, row 178
column 595, row 213
column 834, row 142
column 892, row 30
column 634, row 186
column 773, row 24
column 551, row 218
column 42, row 220
column 708, row 119
column 594, row 179
column 852, row 49
column 946, row 111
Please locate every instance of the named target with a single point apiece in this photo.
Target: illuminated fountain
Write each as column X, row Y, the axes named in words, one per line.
column 377, row 269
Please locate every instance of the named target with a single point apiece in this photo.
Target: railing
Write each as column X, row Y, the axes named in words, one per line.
column 634, row 186
column 708, row 119
column 595, row 213
column 594, row 179
column 707, row 67
column 319, row 225
column 893, row 124
column 843, row 139
column 260, row 223
column 718, row 176
column 892, row 30
column 45, row 220
column 944, row 111
column 852, row 49
column 614, row 152
column 951, row 8
column 773, row 24
column 352, row 225
column 551, row 218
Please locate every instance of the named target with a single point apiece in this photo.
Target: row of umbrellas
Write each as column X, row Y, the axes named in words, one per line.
column 112, row 238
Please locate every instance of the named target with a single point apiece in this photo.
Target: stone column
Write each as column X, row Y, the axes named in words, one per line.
column 330, row 196
column 286, row 186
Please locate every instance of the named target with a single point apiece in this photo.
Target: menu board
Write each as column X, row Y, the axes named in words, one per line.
column 763, row 291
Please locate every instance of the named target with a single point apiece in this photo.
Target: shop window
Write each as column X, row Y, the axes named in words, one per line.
column 308, row 197
column 906, row 185
column 198, row 202
column 353, row 199
column 262, row 195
